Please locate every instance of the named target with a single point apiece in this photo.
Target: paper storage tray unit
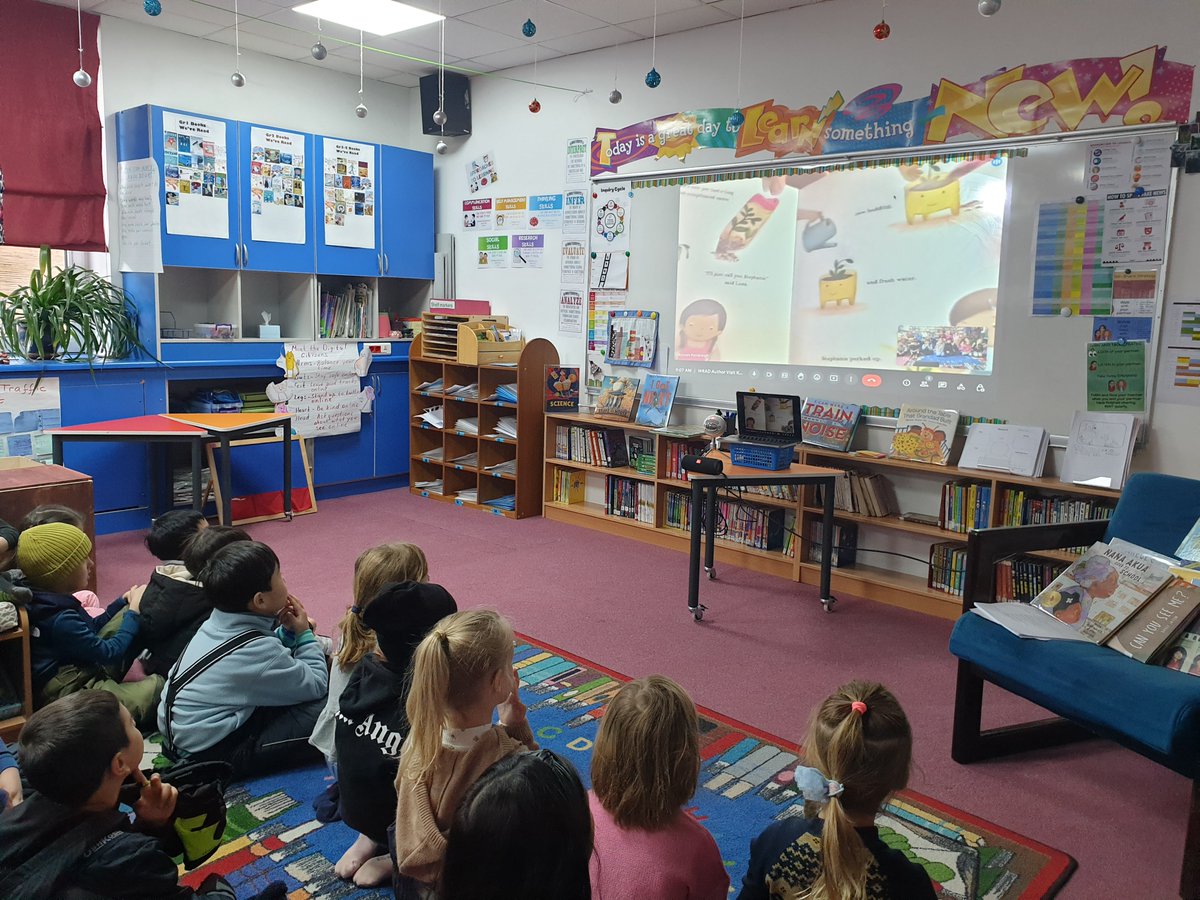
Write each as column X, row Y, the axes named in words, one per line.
column 473, row 351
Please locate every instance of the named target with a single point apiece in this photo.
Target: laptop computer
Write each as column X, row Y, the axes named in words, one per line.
column 772, row 419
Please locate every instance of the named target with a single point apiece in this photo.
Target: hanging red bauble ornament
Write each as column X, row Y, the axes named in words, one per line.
column 882, row 31
column 535, row 106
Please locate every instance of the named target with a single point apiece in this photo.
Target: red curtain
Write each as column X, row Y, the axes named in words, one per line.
column 51, row 139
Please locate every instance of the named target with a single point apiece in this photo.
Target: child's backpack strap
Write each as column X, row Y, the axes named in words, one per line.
column 179, row 680
column 38, row 877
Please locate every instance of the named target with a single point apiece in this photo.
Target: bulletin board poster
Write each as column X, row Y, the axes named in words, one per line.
column 477, row 215
column 1179, row 372
column 276, row 190
column 512, row 213
column 195, row 175
column 546, row 211
column 1116, row 377
column 349, row 180
column 492, row 252
column 612, row 216
column 28, row 406
column 575, row 208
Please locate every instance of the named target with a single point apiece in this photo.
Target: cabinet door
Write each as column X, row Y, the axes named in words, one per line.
column 279, row 193
column 120, row 471
column 199, row 225
column 346, row 216
column 391, row 423
column 346, row 457
column 406, row 178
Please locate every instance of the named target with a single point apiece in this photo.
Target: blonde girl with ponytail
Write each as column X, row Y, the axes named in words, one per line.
column 373, row 569
column 462, row 675
column 858, row 753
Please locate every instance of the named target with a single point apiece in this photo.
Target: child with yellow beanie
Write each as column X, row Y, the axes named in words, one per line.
column 71, row 650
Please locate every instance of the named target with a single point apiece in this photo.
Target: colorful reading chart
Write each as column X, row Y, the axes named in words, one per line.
column 195, row 176
column 1067, row 271
column 349, row 193
column 276, row 189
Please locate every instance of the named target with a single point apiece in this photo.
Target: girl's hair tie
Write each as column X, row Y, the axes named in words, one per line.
column 355, row 610
column 815, row 787
column 859, row 707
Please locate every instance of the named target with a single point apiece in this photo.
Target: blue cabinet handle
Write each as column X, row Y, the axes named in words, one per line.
column 387, row 266
column 245, row 255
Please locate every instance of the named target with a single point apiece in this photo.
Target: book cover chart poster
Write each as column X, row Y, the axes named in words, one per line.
column 349, row 193
column 277, row 193
column 195, row 176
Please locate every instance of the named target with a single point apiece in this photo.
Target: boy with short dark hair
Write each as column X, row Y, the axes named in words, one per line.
column 244, row 692
column 70, row 650
column 68, row 838
column 170, row 532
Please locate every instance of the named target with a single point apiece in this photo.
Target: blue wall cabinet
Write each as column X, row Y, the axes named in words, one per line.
column 195, row 155
column 346, row 457
column 391, row 423
column 120, row 471
column 264, row 208
column 406, row 178
column 339, row 167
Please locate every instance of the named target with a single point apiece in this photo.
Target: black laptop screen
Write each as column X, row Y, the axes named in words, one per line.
column 770, row 416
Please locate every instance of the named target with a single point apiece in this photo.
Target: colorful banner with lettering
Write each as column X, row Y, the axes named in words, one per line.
column 1141, row 88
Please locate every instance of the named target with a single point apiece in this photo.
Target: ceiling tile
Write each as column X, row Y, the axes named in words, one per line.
column 246, row 8
column 280, row 33
column 552, row 21
column 507, row 59
column 617, row 11
column 349, row 66
column 683, row 20
column 452, row 8
column 404, row 79
column 393, row 64
column 261, row 45
column 463, row 39
column 134, row 12
column 595, row 39
column 758, row 7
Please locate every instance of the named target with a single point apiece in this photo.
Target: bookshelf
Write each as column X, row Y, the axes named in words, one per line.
column 446, row 453
column 15, row 660
column 900, row 579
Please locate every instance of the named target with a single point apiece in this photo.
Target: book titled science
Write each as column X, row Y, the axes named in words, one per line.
column 828, row 424
column 562, row 388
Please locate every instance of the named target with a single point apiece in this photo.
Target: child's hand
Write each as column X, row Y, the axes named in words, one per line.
column 293, row 617
column 512, row 710
column 134, row 597
column 157, row 803
column 10, row 781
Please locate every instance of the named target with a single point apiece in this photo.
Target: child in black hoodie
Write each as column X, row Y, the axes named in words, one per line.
column 174, row 605
column 371, row 725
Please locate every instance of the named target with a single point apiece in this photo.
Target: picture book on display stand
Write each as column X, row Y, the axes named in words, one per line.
column 1099, row 449
column 1156, row 625
column 828, row 424
column 562, row 388
column 618, row 397
column 658, row 396
column 924, row 434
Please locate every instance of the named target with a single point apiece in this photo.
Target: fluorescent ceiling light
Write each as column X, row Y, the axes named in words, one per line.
column 380, row 17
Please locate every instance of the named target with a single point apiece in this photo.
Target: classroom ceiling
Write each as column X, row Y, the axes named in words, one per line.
column 481, row 35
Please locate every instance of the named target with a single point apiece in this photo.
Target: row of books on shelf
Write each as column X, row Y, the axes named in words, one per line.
column 845, row 543
column 862, row 493
column 1021, row 578
column 629, row 499
column 965, row 505
column 739, row 523
column 1142, row 604
column 947, row 567
column 1018, row 507
column 592, row 446
column 674, row 452
column 346, row 312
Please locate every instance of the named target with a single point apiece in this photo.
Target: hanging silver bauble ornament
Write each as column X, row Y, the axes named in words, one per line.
column 989, row 7
column 361, row 111
column 82, row 79
column 318, row 51
column 439, row 117
column 238, row 79
column 614, row 96
column 441, row 148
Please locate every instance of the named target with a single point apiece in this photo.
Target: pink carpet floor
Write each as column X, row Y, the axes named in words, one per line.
column 765, row 654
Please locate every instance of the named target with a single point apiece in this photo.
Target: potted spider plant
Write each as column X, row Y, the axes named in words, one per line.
column 69, row 314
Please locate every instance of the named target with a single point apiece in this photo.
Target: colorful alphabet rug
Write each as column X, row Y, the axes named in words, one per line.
column 745, row 784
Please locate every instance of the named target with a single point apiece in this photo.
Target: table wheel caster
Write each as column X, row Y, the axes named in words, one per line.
column 712, row 573
column 698, row 613
column 827, row 603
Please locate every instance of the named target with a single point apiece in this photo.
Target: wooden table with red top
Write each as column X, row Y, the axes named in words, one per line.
column 197, row 430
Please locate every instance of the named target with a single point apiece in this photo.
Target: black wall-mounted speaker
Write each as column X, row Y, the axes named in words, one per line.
column 458, row 104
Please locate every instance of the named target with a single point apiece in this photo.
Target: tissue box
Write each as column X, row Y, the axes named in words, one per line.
column 268, row 332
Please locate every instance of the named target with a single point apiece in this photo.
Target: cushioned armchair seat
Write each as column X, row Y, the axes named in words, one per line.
column 1149, row 709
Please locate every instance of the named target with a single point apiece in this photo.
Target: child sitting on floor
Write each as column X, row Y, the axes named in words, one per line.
column 371, row 724
column 68, row 837
column 373, row 569
column 462, row 672
column 244, row 692
column 644, row 768
column 11, row 792
column 56, row 512
column 170, row 532
column 859, row 750
column 174, row 605
column 71, row 650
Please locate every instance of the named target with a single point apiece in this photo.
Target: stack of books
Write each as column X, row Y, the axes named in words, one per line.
column 965, row 505
column 508, row 467
column 467, row 425
column 506, row 393
column 463, row 391
column 506, row 427
column 862, row 493
column 508, row 501
column 433, row 486
column 948, row 567
column 345, row 312
column 433, row 387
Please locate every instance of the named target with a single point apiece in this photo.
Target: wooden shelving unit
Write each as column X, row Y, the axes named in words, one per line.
column 873, row 579
column 450, row 443
column 15, row 659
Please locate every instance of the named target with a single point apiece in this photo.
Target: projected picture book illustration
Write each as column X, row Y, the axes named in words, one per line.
column 889, row 268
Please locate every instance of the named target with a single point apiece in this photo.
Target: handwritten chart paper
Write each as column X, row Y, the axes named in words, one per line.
column 137, row 196
column 322, row 390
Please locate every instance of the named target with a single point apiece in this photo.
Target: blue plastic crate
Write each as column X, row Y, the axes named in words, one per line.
column 760, row 456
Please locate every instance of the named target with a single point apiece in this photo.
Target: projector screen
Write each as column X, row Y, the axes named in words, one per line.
column 842, row 276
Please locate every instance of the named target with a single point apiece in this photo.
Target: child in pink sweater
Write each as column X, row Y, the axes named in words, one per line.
column 644, row 768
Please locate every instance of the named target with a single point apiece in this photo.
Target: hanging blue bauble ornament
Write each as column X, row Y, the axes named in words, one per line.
column 529, row 29
column 152, row 7
column 737, row 119
column 653, row 79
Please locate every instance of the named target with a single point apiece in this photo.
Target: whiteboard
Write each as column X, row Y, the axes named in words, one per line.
column 1039, row 366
